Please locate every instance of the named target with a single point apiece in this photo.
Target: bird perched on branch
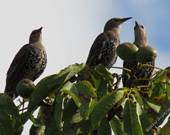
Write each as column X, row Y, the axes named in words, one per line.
column 103, row 50
column 28, row 63
column 139, row 75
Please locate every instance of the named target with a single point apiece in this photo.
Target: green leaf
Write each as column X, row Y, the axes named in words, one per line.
column 159, row 77
column 53, row 119
column 164, row 106
column 86, row 89
column 116, row 126
column 153, row 106
column 103, row 72
column 51, row 128
column 55, row 122
column 10, row 120
column 102, row 80
column 101, row 86
column 162, row 76
column 80, row 92
column 168, row 90
column 76, row 118
column 146, row 123
column 103, row 106
column 86, row 109
column 37, row 130
column 58, row 112
column 132, row 124
column 69, row 88
column 104, row 128
column 52, row 83
column 137, row 96
column 69, row 110
column 85, row 127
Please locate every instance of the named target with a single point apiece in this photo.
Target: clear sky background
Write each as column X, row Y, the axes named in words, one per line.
column 70, row 27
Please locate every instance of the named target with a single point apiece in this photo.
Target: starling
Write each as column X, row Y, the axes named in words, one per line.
column 103, row 50
column 28, row 63
column 139, row 75
column 143, row 74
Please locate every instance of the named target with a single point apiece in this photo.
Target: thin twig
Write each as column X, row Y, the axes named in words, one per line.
column 23, row 109
column 147, row 65
column 126, row 69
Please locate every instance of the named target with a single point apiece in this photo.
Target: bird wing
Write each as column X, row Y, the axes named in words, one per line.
column 107, row 55
column 19, row 60
column 103, row 51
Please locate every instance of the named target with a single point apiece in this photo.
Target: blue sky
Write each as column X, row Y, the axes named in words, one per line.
column 70, row 27
column 154, row 14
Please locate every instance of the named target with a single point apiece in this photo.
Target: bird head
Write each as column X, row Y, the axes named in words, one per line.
column 114, row 23
column 35, row 35
column 140, row 34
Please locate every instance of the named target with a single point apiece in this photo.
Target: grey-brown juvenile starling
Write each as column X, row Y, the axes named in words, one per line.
column 139, row 75
column 29, row 63
column 103, row 50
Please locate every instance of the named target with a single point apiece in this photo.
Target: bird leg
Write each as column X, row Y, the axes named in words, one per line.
column 21, row 103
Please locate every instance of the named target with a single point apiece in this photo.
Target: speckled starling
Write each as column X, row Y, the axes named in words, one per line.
column 103, row 50
column 29, row 63
column 139, row 75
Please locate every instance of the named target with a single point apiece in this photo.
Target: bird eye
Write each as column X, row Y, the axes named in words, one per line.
column 142, row 26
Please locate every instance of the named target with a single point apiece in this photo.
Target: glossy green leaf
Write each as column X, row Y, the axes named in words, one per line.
column 51, row 128
column 86, row 89
column 104, row 128
column 116, row 126
column 103, row 72
column 86, row 109
column 58, row 112
column 53, row 118
column 102, row 87
column 85, row 127
column 103, row 106
column 69, row 88
column 137, row 96
column 132, row 124
column 37, row 130
column 76, row 118
column 146, row 123
column 80, row 92
column 52, row 83
column 162, row 75
column 10, row 120
column 102, row 80
column 70, row 109
column 154, row 106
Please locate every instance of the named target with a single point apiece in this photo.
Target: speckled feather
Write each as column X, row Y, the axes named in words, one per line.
column 29, row 63
column 103, row 50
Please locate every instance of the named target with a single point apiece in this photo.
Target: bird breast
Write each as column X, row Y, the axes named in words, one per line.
column 36, row 63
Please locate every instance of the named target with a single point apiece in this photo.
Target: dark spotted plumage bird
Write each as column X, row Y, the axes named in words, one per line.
column 139, row 75
column 29, row 63
column 103, row 50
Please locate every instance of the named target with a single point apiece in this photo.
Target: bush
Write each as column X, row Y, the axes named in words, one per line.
column 84, row 101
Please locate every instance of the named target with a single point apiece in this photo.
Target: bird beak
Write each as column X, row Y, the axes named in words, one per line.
column 40, row 29
column 136, row 24
column 122, row 20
